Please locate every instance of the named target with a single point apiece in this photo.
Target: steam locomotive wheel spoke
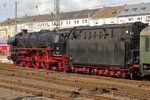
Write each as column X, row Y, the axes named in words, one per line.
column 36, row 65
column 21, row 64
column 14, row 63
column 27, row 64
column 45, row 66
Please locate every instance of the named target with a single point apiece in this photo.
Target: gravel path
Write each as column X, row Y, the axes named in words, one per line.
column 6, row 94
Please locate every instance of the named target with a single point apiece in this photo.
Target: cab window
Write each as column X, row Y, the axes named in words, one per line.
column 146, row 43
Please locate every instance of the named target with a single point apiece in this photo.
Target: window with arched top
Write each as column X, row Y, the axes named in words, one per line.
column 95, row 35
column 147, row 44
column 90, row 35
column 77, row 34
column 85, row 36
column 100, row 34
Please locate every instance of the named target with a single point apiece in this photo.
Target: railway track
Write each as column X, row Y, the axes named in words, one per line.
column 44, row 73
column 61, row 75
column 117, row 89
column 56, row 93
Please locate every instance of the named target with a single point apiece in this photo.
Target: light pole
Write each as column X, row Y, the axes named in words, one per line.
column 57, row 14
column 15, row 30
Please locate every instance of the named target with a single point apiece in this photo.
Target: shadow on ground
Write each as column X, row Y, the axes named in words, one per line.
column 30, row 98
column 25, row 98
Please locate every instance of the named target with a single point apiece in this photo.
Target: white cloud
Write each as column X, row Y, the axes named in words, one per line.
column 35, row 7
column 133, row 1
column 70, row 5
column 82, row 4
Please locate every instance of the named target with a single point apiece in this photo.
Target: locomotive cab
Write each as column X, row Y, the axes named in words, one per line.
column 145, row 52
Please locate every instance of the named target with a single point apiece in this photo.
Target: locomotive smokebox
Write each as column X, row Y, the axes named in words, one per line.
column 11, row 41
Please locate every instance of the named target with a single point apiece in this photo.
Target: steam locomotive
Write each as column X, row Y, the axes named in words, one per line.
column 113, row 50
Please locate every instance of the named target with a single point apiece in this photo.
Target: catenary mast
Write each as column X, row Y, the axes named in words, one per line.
column 15, row 30
column 57, row 14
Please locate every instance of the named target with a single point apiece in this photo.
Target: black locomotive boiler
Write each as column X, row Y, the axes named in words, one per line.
column 111, row 50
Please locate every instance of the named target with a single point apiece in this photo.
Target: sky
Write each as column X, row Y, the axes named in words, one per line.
column 36, row 7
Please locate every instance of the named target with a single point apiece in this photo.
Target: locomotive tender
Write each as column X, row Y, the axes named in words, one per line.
column 111, row 50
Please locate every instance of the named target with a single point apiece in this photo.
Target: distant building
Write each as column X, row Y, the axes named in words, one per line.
column 107, row 15
column 90, row 17
column 67, row 20
column 35, row 23
column 135, row 12
column 7, row 28
column 77, row 18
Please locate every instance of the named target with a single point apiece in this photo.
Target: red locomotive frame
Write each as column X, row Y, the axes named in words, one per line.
column 40, row 57
column 46, row 59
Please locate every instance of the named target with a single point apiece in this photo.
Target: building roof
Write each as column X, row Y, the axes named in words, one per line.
column 135, row 9
column 35, row 18
column 108, row 12
column 50, row 17
column 78, row 14
column 8, row 22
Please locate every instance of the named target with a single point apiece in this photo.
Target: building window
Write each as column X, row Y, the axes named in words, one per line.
column 46, row 24
column 69, row 22
column 66, row 22
column 30, row 25
column 134, row 9
column 112, row 22
column 130, row 19
column 114, row 12
column 126, row 10
column 43, row 24
column 54, row 23
column 77, row 21
column 148, row 18
column 85, row 20
column 104, row 21
column 96, row 23
column 61, row 23
column 122, row 20
column 146, row 43
column 139, row 18
column 143, row 8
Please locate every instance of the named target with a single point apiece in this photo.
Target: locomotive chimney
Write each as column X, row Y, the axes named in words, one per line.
column 24, row 31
